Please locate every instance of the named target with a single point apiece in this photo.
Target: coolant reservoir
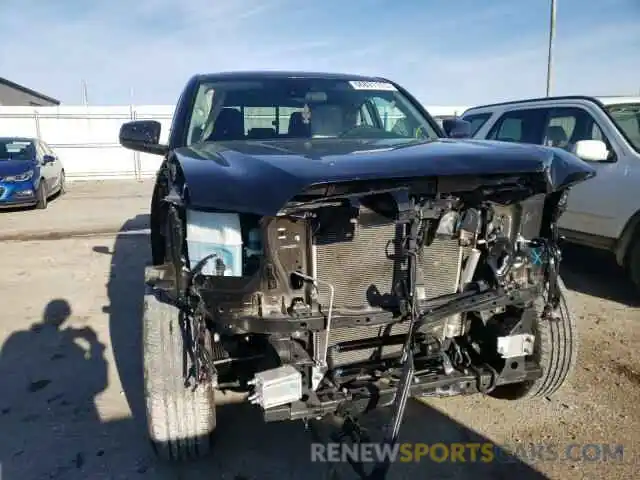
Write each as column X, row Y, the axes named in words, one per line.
column 219, row 234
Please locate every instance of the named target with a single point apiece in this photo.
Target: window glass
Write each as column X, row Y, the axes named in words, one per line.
column 627, row 119
column 304, row 108
column 566, row 126
column 510, row 130
column 40, row 149
column 284, row 118
column 559, row 130
column 202, row 109
column 477, row 121
column 16, row 149
column 46, row 149
column 364, row 116
column 521, row 126
column 393, row 119
column 259, row 122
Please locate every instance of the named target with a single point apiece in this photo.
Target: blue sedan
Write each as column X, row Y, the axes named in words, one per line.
column 30, row 172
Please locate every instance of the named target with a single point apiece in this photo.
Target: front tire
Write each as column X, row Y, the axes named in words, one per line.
column 181, row 420
column 556, row 350
column 41, row 196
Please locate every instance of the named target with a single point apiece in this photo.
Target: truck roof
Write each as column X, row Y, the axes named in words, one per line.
column 602, row 100
column 263, row 74
column 615, row 99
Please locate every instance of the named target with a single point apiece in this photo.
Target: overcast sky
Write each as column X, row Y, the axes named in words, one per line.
column 458, row 52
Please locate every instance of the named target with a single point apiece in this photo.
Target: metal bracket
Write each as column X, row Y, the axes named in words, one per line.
column 317, row 375
column 406, row 207
column 512, row 346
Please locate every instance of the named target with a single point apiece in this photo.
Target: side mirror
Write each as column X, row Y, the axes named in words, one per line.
column 142, row 136
column 591, row 150
column 46, row 159
column 456, row 128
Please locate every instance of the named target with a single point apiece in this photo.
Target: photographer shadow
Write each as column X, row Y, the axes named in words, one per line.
column 50, row 376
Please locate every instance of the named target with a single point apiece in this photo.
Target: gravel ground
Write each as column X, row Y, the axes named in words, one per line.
column 70, row 382
column 87, row 207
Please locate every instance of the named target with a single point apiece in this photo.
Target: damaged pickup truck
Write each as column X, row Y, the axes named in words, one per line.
column 322, row 247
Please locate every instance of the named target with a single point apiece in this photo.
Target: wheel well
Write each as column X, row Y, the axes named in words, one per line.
column 631, row 229
column 159, row 209
column 156, row 219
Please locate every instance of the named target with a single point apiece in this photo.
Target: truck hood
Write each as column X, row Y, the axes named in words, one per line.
column 262, row 176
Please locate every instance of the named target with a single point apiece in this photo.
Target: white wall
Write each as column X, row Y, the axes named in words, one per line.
column 86, row 137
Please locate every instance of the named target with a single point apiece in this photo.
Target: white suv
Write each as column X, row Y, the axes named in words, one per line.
column 605, row 131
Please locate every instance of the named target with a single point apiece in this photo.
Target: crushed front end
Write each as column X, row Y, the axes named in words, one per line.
column 358, row 295
column 321, row 306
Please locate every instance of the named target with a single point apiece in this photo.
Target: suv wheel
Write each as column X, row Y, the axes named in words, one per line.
column 556, row 348
column 633, row 261
column 181, row 420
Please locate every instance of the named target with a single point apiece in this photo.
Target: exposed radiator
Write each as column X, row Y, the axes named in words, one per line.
column 363, row 276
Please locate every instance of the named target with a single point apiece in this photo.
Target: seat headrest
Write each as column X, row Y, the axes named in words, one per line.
column 229, row 125
column 556, row 136
column 327, row 120
column 297, row 127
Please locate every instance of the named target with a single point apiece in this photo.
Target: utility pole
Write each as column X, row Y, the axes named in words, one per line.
column 85, row 100
column 552, row 34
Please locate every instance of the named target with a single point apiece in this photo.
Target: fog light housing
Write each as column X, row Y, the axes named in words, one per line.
column 23, row 193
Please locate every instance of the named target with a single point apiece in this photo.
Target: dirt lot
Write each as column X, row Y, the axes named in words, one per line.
column 70, row 375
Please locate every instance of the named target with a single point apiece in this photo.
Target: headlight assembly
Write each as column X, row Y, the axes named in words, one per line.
column 22, row 177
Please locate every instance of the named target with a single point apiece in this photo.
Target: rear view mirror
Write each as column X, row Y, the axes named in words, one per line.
column 46, row 159
column 143, row 136
column 456, row 128
column 591, row 150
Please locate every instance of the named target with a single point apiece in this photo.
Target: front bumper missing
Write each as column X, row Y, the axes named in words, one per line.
column 483, row 298
column 382, row 393
column 478, row 299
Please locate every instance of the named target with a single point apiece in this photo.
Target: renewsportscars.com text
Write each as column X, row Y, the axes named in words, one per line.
column 467, row 452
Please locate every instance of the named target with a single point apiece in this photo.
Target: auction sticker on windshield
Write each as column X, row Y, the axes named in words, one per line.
column 364, row 85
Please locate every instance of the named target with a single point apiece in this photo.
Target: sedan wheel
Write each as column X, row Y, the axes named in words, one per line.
column 41, row 196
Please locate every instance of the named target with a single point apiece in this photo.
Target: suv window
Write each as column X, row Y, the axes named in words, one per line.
column 567, row 125
column 627, row 119
column 476, row 121
column 521, row 126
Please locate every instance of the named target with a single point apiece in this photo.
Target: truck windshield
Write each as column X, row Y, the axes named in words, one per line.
column 627, row 119
column 269, row 109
